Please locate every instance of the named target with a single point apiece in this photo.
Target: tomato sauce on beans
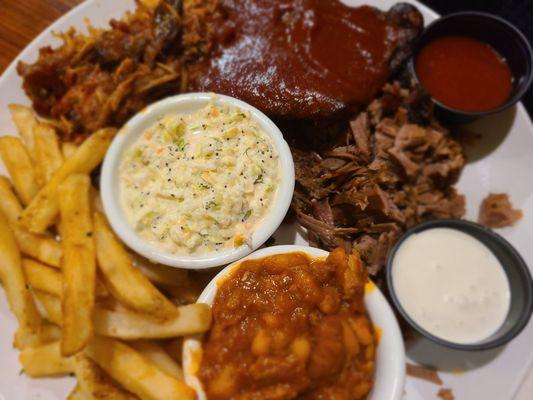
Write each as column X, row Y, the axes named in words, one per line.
column 288, row 326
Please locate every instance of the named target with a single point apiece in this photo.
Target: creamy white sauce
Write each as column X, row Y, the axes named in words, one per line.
column 451, row 285
column 200, row 183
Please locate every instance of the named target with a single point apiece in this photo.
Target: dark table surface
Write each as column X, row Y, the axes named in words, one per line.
column 21, row 21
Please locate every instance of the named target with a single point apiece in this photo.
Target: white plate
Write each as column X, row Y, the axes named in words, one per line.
column 501, row 162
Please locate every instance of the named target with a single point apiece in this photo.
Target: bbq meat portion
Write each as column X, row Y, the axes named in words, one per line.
column 303, row 58
column 496, row 211
column 102, row 78
column 393, row 168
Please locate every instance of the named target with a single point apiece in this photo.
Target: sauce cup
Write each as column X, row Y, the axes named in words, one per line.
column 182, row 105
column 501, row 35
column 516, row 270
column 390, row 356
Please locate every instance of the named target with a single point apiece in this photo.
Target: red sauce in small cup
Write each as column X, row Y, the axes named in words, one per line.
column 464, row 73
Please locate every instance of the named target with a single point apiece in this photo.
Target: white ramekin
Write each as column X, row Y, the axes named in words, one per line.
column 390, row 356
column 185, row 104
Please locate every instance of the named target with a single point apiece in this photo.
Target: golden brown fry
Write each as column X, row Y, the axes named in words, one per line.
column 24, row 120
column 155, row 353
column 43, row 209
column 192, row 318
column 18, row 295
column 46, row 360
column 48, row 333
column 49, row 280
column 68, row 149
column 42, row 277
column 126, row 283
column 51, row 305
column 42, row 247
column 78, row 265
column 9, row 203
column 19, row 165
column 135, row 372
column 48, row 157
column 93, row 381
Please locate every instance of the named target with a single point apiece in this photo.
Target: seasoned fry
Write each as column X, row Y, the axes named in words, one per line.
column 127, row 284
column 9, row 203
column 43, row 209
column 68, row 149
column 18, row 163
column 135, row 372
column 93, row 381
column 41, row 277
column 24, row 120
column 48, row 333
column 46, row 360
column 192, row 318
column 78, row 265
column 51, row 305
column 48, row 157
column 42, row 247
column 159, row 357
column 50, row 280
column 12, row 277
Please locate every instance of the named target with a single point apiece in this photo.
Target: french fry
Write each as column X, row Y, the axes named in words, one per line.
column 192, row 318
column 9, row 203
column 50, row 280
column 24, row 120
column 135, row 373
column 93, row 381
column 46, row 360
column 18, row 295
column 44, row 208
column 155, row 353
column 126, row 283
column 78, row 265
column 48, row 333
column 19, row 165
column 42, row 247
column 68, row 149
column 48, row 157
column 51, row 305
column 43, row 278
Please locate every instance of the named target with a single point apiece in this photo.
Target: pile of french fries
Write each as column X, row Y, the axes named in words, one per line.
column 84, row 304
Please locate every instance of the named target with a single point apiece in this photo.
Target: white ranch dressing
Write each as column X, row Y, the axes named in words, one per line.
column 451, row 285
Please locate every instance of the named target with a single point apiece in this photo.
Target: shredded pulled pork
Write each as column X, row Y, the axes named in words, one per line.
column 496, row 211
column 394, row 168
column 104, row 77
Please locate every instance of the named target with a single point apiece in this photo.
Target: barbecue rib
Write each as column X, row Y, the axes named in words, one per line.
column 304, row 58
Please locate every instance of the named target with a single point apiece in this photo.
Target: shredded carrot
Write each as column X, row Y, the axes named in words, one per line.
column 160, row 150
column 148, row 135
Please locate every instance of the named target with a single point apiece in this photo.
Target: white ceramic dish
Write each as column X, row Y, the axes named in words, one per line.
column 390, row 355
column 505, row 151
column 184, row 104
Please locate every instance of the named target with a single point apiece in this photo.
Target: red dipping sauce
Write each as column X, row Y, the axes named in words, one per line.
column 464, row 73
